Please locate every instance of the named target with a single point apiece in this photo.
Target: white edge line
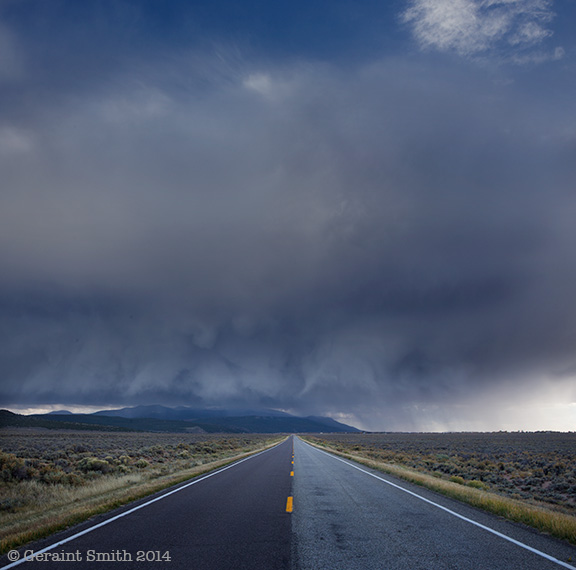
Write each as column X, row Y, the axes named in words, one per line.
column 449, row 511
column 130, row 511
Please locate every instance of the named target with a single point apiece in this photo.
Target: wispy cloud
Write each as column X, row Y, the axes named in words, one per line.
column 478, row 27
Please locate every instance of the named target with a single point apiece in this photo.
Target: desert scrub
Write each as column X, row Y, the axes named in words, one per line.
column 526, row 477
column 538, row 467
column 49, row 480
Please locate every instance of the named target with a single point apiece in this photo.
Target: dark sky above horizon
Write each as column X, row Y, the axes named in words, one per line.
column 364, row 210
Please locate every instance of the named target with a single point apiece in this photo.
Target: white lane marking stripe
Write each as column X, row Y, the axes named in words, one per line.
column 107, row 521
column 454, row 513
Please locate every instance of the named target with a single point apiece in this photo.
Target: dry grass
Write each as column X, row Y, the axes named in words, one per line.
column 541, row 517
column 35, row 508
column 535, row 467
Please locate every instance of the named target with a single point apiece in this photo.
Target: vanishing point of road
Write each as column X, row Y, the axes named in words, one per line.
column 295, row 507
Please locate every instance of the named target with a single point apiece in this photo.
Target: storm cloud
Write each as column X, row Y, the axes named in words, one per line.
column 388, row 240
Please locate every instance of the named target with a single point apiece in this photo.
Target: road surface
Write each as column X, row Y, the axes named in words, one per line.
column 348, row 518
column 295, row 507
column 234, row 519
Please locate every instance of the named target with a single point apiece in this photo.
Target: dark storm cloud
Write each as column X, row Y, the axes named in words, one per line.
column 202, row 229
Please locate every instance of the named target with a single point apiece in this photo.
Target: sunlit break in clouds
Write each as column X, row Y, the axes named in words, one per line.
column 364, row 211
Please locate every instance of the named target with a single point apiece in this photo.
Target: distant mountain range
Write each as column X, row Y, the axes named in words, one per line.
column 180, row 419
column 187, row 413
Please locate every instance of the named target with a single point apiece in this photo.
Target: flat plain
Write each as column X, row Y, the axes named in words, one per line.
column 50, row 479
column 529, row 477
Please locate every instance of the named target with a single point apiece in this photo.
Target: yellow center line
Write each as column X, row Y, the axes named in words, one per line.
column 289, row 505
column 291, row 473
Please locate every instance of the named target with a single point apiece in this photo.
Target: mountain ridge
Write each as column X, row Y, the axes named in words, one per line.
column 187, row 413
column 179, row 420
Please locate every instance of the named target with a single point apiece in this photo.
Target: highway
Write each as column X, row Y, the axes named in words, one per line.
column 350, row 519
column 234, row 519
column 296, row 507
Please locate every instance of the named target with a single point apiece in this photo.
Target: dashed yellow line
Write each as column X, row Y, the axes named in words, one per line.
column 289, row 501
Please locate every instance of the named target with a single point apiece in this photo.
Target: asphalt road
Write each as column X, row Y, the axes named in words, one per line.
column 349, row 519
column 235, row 519
column 345, row 517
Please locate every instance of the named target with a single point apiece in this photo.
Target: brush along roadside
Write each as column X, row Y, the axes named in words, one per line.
column 544, row 519
column 58, row 507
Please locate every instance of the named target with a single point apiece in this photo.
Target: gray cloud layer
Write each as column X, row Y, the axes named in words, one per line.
column 373, row 242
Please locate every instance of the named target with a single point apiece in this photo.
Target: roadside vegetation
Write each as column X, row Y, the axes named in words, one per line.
column 526, row 477
column 50, row 480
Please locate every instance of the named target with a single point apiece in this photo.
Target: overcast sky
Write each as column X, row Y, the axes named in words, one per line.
column 358, row 209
